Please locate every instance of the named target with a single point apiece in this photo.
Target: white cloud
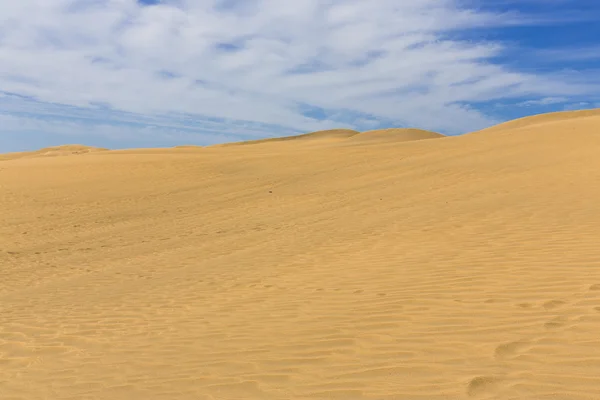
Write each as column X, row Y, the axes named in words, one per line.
column 546, row 101
column 263, row 60
column 582, row 105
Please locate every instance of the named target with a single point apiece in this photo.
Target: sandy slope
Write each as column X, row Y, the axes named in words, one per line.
column 455, row 268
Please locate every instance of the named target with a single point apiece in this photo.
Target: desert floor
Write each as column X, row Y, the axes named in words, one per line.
column 330, row 267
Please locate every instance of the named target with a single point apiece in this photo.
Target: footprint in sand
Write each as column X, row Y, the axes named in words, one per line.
column 525, row 305
column 483, row 386
column 510, row 350
column 494, row 301
column 556, row 323
column 552, row 304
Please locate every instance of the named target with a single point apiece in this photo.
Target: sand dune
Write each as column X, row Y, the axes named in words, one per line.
column 347, row 135
column 395, row 135
column 69, row 149
column 188, row 146
column 335, row 134
column 462, row 268
column 564, row 116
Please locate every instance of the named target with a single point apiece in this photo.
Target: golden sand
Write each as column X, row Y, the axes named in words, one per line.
column 396, row 135
column 452, row 268
column 69, row 149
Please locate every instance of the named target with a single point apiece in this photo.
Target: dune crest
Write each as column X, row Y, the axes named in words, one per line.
column 347, row 135
column 396, row 135
column 530, row 121
column 54, row 151
column 326, row 134
column 189, row 146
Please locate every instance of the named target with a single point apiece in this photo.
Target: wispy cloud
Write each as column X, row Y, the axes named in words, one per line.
column 571, row 53
column 257, row 67
column 543, row 102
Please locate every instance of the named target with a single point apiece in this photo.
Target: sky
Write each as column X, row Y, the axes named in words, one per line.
column 150, row 73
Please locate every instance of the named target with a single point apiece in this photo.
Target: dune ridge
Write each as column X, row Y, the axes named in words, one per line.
column 463, row 268
column 325, row 134
column 396, row 135
column 549, row 118
column 346, row 135
column 54, row 151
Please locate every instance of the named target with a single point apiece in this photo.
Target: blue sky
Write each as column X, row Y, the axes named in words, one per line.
column 131, row 73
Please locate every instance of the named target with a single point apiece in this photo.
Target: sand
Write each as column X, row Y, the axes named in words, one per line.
column 452, row 268
column 69, row 149
column 330, row 134
column 395, row 135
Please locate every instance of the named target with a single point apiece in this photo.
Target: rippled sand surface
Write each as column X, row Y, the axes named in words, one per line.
column 331, row 268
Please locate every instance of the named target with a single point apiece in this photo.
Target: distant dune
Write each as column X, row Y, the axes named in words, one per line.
column 333, row 265
column 326, row 134
column 329, row 134
column 69, row 149
column 390, row 135
column 396, row 135
column 188, row 146
column 543, row 119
